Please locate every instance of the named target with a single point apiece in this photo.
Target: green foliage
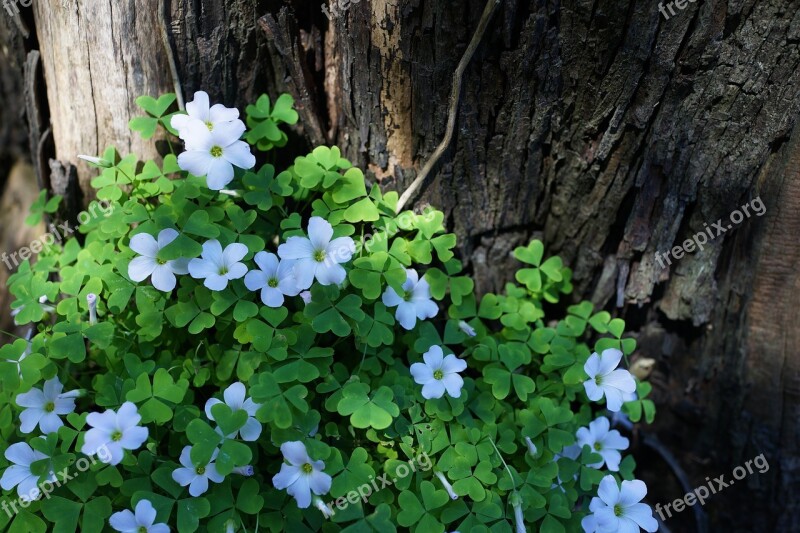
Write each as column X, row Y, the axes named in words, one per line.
column 333, row 373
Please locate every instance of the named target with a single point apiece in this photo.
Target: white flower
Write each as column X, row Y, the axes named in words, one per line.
column 19, row 473
column 235, row 399
column 274, row 279
column 415, row 304
column 141, row 522
column 214, row 153
column 114, row 432
column 148, row 263
column 605, row 380
column 619, row 510
column 302, row 475
column 218, row 266
column 439, row 374
column 306, row 296
column 466, row 328
column 196, row 476
column 43, row 407
column 202, row 117
column 606, row 443
column 317, row 255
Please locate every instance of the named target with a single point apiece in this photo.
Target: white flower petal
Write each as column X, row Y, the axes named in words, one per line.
column 301, row 492
column 434, row 357
column 198, row 486
column 452, row 364
column 304, row 270
column 390, row 298
column 140, row 268
column 286, row 477
column 199, row 107
column 251, row 430
column 209, row 404
column 296, row 248
column 406, row 315
column 195, row 162
column 272, row 297
column 145, row 513
column 22, row 454
column 32, row 398
column 453, row 383
column 341, row 249
column 433, row 389
column 238, row 154
column 295, row 452
column 220, row 113
column 319, row 482
column 642, row 515
column 421, row 372
column 220, row 174
column 144, row 244
column 234, row 395
column 608, row 491
column 609, row 360
column 49, row 423
column 123, row 521
column 133, row 438
column 329, row 274
column 320, row 232
column 163, row 278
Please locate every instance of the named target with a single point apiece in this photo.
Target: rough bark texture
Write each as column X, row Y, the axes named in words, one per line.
column 600, row 127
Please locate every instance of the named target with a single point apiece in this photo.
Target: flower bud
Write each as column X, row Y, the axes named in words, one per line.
column 96, row 161
column 447, row 486
column 466, row 328
column 327, row 511
column 247, row 470
column 91, row 299
column 531, row 447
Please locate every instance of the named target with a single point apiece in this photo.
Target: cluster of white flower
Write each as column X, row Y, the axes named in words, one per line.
column 302, row 260
column 613, row 509
column 42, row 408
column 212, row 136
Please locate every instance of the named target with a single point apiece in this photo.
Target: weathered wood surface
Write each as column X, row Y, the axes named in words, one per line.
column 599, row 126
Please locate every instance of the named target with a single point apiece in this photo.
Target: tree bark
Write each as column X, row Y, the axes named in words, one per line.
column 601, row 127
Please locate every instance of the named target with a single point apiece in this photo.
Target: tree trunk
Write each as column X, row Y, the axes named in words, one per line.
column 600, row 127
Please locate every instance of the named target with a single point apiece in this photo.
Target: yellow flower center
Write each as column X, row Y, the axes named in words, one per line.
column 438, row 375
column 307, row 468
column 216, row 151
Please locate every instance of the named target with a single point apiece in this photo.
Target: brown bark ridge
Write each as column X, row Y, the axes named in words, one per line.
column 601, row 127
